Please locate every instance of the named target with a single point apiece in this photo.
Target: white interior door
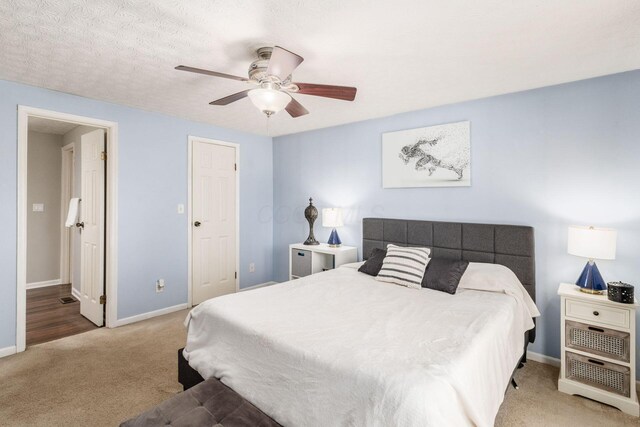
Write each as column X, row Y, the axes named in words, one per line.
column 213, row 221
column 92, row 215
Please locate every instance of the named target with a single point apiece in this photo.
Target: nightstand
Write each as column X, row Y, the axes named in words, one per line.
column 309, row 259
column 598, row 344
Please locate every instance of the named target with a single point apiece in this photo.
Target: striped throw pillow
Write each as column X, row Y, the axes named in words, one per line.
column 404, row 266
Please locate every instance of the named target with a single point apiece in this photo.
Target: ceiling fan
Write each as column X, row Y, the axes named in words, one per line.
column 271, row 74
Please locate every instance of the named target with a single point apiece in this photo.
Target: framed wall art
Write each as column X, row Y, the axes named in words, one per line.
column 434, row 156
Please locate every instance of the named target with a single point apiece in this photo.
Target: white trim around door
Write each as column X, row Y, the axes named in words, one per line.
column 111, row 244
column 66, row 193
column 191, row 140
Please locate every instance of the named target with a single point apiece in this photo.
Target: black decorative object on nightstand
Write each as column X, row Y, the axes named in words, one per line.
column 620, row 292
column 311, row 214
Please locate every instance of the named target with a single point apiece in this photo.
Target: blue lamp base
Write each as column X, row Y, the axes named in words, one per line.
column 334, row 240
column 590, row 280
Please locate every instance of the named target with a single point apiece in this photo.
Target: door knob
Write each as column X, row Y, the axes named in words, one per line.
column 80, row 224
column 197, row 224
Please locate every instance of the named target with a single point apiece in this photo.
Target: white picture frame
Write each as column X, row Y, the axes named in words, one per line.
column 434, row 156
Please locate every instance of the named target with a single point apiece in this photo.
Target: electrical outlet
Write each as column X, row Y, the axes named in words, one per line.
column 160, row 285
column 252, row 268
column 180, row 208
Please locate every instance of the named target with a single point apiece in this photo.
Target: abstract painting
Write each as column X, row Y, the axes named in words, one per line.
column 434, row 156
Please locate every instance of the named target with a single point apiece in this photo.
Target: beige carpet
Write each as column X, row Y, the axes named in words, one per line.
column 103, row 377
column 539, row 403
column 98, row 378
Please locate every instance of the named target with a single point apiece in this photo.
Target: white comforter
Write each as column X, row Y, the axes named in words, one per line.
column 342, row 349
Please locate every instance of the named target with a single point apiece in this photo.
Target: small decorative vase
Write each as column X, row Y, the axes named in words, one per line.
column 311, row 214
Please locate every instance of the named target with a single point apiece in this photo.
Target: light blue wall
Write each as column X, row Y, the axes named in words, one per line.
column 548, row 158
column 152, row 182
column 551, row 157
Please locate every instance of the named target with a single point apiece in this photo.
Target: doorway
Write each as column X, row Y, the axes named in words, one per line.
column 213, row 218
column 66, row 212
column 53, row 303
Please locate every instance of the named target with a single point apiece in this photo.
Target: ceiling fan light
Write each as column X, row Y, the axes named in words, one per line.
column 269, row 101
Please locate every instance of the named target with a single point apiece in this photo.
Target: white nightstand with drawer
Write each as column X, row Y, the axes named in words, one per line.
column 598, row 344
column 310, row 259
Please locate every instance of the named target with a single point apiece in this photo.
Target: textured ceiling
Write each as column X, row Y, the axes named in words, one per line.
column 402, row 55
column 38, row 124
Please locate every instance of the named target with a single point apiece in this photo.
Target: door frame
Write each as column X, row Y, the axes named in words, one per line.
column 190, row 142
column 66, row 241
column 111, row 214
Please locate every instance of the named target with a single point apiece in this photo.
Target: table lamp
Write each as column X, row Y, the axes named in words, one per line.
column 592, row 243
column 332, row 217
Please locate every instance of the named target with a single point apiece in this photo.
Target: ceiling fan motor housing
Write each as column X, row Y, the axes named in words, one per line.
column 258, row 68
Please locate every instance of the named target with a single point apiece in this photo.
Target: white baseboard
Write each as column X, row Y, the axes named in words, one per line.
column 259, row 285
column 150, row 314
column 44, row 284
column 76, row 293
column 542, row 358
column 8, row 351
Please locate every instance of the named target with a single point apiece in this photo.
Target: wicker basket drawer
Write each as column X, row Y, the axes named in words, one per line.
column 597, row 373
column 597, row 340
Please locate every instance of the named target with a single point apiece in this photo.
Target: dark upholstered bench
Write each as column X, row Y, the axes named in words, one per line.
column 208, row 403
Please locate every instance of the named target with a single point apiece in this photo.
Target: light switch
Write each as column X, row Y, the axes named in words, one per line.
column 38, row 207
column 180, row 208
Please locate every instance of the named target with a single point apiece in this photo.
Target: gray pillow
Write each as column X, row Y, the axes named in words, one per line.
column 444, row 274
column 373, row 265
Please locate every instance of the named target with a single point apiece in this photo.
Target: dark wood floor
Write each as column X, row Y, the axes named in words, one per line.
column 48, row 319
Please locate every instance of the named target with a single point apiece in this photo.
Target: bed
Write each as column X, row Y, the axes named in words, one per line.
column 340, row 348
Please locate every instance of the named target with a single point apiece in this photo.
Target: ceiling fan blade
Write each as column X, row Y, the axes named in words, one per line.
column 210, row 73
column 283, row 62
column 231, row 98
column 345, row 93
column 295, row 109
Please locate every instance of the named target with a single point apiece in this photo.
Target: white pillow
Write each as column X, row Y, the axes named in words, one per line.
column 404, row 266
column 482, row 276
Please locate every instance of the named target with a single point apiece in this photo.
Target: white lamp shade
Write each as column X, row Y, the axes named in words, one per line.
column 592, row 243
column 332, row 217
column 269, row 101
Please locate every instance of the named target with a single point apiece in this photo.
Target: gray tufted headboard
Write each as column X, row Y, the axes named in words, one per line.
column 509, row 245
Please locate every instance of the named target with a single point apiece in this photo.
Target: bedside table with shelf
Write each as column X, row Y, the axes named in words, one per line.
column 598, row 348
column 310, row 259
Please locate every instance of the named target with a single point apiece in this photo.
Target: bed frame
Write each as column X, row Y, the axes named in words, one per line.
column 509, row 245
